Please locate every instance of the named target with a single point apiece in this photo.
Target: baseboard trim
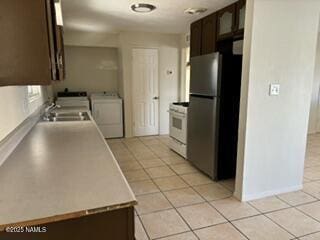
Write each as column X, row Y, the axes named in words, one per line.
column 10, row 142
column 254, row 196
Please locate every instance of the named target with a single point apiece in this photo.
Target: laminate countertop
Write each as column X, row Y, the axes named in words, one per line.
column 60, row 170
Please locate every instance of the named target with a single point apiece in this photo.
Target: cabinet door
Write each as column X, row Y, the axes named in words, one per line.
column 24, row 43
column 60, row 53
column 195, row 39
column 209, row 34
column 240, row 16
column 226, row 22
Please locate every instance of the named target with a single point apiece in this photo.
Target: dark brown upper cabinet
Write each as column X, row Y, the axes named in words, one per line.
column 226, row 22
column 240, row 17
column 195, row 38
column 29, row 43
column 61, row 71
column 209, row 34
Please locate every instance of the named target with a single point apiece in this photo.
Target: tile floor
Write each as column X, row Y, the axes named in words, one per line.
column 177, row 202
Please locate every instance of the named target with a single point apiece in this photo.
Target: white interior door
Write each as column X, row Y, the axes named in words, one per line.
column 145, row 92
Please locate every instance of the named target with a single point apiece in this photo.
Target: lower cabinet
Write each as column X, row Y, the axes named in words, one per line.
column 114, row 225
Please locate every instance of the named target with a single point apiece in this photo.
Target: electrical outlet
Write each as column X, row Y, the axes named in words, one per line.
column 274, row 89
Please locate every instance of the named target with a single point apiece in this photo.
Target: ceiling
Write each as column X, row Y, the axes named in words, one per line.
column 113, row 16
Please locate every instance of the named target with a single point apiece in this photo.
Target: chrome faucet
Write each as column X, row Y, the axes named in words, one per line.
column 48, row 110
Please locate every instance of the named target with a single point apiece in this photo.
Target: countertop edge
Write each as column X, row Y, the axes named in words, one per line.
column 67, row 216
column 86, row 212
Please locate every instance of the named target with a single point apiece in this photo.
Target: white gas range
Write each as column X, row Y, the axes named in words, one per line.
column 178, row 127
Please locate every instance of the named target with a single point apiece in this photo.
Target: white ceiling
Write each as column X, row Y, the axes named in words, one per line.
column 112, row 16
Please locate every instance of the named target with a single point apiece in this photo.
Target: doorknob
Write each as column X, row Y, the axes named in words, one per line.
column 155, row 98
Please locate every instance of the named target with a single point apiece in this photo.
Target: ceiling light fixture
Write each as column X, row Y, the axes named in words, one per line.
column 143, row 7
column 195, row 11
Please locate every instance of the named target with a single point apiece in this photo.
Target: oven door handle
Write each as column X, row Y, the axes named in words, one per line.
column 177, row 113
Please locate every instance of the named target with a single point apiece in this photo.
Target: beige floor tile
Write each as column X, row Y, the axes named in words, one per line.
column 213, row 191
column 183, row 168
column 137, row 146
column 311, row 209
column 152, row 203
column 122, row 152
column 229, row 184
column 182, row 236
column 144, row 155
column 233, row 209
column 137, row 175
column 220, row 232
column 315, row 236
column 269, row 204
column 296, row 198
column 170, row 183
column 183, row 197
column 164, row 223
column 201, row 215
column 164, row 153
column 305, row 180
column 117, row 147
column 312, row 173
column 125, row 158
column 130, row 166
column 174, row 160
column 261, row 228
column 115, row 140
column 143, row 187
column 150, row 142
column 312, row 188
column 194, row 179
column 130, row 140
column 140, row 233
column 295, row 222
column 149, row 163
column 158, row 172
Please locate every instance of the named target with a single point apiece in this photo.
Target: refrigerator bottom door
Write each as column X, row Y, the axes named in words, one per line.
column 202, row 134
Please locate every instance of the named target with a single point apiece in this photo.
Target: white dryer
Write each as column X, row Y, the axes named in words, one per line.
column 108, row 114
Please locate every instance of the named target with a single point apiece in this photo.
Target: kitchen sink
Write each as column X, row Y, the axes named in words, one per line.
column 66, row 116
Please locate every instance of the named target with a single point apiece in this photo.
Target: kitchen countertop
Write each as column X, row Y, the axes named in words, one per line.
column 61, row 170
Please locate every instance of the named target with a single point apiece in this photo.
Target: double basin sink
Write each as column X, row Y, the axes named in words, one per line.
column 66, row 116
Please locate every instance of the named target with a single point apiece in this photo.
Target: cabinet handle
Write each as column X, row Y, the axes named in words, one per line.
column 59, row 60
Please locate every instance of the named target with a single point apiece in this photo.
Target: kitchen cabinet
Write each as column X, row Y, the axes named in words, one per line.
column 30, row 43
column 195, row 39
column 209, row 34
column 60, row 53
column 226, row 22
column 217, row 31
column 240, row 17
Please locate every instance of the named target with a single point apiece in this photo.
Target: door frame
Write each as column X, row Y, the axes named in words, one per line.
column 132, row 92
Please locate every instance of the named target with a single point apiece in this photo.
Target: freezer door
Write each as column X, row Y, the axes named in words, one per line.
column 205, row 74
column 202, row 134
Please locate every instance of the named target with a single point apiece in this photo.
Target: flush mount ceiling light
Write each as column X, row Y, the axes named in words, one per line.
column 143, row 7
column 195, row 11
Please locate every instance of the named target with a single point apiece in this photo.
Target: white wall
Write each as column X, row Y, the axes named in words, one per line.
column 314, row 118
column 91, row 69
column 90, row 39
column 280, row 47
column 169, row 59
column 15, row 107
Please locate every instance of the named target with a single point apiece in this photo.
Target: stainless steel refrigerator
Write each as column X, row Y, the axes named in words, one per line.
column 213, row 114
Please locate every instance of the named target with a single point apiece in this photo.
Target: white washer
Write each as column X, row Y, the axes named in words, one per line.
column 107, row 112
